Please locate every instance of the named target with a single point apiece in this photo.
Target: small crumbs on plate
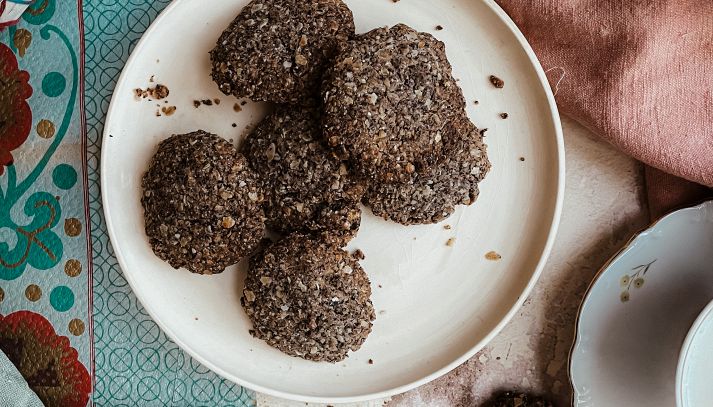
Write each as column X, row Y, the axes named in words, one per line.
column 522, row 158
column 196, row 318
column 243, row 103
column 382, row 312
column 476, row 102
column 168, row 110
column 234, row 125
column 451, row 242
column 493, row 256
column 111, row 135
column 439, row 27
column 158, row 113
column 151, row 78
column 371, row 361
column 497, row 358
column 497, row 82
column 504, row 115
column 216, row 101
column 380, row 286
column 447, row 227
column 196, row 103
column 237, row 108
column 482, row 132
column 207, row 102
column 157, row 92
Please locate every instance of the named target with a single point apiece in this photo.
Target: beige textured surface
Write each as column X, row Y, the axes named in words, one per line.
column 603, row 209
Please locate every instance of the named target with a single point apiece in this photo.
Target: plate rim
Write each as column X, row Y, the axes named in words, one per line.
column 576, row 342
column 544, row 255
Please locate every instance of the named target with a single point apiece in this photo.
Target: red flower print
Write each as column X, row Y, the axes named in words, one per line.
column 15, row 113
column 45, row 359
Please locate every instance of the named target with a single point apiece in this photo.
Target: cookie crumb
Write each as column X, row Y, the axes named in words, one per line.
column 512, row 398
column 380, row 286
column 371, row 361
column 447, row 227
column 359, row 255
column 476, row 102
column 493, row 256
column 168, row 110
column 243, row 103
column 237, row 108
column 207, row 102
column 196, row 104
column 158, row 113
column 234, row 125
column 522, row 158
column 151, row 78
column 196, row 318
column 158, row 92
column 216, row 101
column 439, row 27
column 451, row 242
column 482, row 132
column 504, row 115
column 497, row 82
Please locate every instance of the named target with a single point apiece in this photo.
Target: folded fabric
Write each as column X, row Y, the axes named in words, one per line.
column 14, row 390
column 638, row 73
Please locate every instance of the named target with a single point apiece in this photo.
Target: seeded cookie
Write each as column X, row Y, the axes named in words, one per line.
column 433, row 194
column 308, row 189
column 276, row 50
column 308, row 298
column 388, row 98
column 202, row 203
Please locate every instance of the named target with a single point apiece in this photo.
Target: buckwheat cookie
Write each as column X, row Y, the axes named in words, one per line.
column 202, row 203
column 308, row 298
column 433, row 194
column 388, row 99
column 276, row 50
column 308, row 188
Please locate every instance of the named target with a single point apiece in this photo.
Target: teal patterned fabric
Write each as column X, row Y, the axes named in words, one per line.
column 135, row 363
column 44, row 284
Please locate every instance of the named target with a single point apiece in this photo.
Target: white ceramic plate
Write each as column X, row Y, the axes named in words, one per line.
column 638, row 310
column 694, row 383
column 436, row 305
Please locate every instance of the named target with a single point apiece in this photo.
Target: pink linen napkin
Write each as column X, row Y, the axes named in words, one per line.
column 638, row 73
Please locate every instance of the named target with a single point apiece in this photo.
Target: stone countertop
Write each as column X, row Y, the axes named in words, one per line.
column 603, row 207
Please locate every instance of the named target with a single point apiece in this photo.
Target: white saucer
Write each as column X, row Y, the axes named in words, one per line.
column 638, row 311
column 694, row 387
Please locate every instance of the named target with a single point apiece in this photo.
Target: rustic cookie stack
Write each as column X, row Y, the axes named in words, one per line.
column 375, row 118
